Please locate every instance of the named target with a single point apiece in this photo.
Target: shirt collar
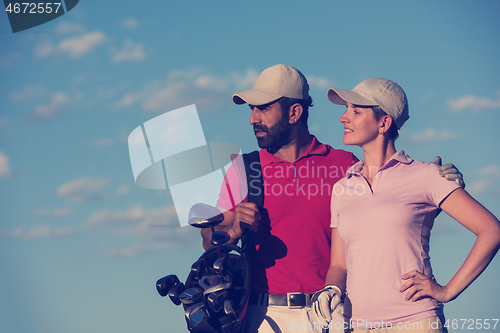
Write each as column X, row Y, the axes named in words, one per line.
column 316, row 148
column 398, row 157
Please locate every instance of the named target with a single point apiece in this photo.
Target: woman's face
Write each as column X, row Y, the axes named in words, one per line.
column 360, row 126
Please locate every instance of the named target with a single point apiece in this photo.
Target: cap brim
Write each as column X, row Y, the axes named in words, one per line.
column 341, row 97
column 255, row 97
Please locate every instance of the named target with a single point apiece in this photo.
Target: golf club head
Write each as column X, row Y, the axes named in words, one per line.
column 196, row 314
column 164, row 284
column 220, row 267
column 215, row 300
column 175, row 292
column 204, row 216
column 229, row 311
column 209, row 281
column 225, row 285
column 219, row 238
column 191, row 295
column 198, row 268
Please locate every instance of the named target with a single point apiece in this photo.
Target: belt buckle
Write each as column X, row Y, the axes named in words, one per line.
column 293, row 298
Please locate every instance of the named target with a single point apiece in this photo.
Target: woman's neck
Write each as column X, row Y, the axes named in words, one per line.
column 376, row 154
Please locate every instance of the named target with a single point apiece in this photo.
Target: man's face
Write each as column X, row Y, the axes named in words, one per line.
column 271, row 126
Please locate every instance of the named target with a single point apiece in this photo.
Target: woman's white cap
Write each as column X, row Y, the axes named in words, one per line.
column 380, row 92
column 273, row 83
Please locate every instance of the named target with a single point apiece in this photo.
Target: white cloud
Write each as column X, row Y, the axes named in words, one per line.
column 123, row 189
column 83, row 190
column 28, row 92
column 432, row 134
column 5, row 169
column 132, row 251
column 130, row 23
column 319, row 82
column 195, row 86
column 69, row 27
column 478, row 188
column 74, row 47
column 134, row 215
column 53, row 213
column 159, row 225
column 474, row 102
column 51, row 109
column 490, row 170
column 38, row 232
column 130, row 51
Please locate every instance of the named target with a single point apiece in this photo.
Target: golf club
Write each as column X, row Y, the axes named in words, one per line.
column 229, row 311
column 220, row 286
column 215, row 300
column 175, row 292
column 164, row 284
column 198, row 268
column 220, row 267
column 196, row 314
column 209, row 281
column 191, row 295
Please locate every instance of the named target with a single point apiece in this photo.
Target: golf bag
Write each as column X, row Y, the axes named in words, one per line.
column 216, row 292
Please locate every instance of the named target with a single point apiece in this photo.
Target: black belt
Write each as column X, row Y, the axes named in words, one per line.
column 291, row 300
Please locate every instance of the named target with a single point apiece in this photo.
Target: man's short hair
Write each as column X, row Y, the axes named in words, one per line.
column 287, row 102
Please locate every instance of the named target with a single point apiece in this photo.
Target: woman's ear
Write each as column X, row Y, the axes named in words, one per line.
column 385, row 123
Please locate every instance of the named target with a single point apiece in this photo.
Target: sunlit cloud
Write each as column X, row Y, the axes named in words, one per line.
column 432, row 134
column 5, row 168
column 37, row 232
column 83, row 190
column 474, row 103
column 130, row 23
column 50, row 109
column 130, row 52
column 74, row 47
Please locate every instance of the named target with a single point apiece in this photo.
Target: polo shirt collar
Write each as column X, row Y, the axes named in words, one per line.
column 316, row 148
column 398, row 157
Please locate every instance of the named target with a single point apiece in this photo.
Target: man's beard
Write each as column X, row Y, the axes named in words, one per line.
column 277, row 136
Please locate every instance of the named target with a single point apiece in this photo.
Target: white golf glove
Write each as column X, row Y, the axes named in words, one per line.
column 450, row 172
column 325, row 301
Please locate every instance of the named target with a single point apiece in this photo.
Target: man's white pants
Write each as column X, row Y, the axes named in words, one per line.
column 281, row 319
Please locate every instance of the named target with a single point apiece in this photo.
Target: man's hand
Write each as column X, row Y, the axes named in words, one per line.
column 248, row 213
column 450, row 172
column 324, row 303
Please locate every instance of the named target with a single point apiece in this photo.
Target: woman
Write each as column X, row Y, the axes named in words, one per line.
column 382, row 214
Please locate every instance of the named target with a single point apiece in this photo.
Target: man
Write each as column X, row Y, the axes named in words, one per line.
column 292, row 231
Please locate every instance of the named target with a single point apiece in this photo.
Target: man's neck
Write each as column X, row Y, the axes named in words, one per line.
column 296, row 147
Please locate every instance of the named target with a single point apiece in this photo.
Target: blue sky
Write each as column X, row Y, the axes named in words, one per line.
column 81, row 245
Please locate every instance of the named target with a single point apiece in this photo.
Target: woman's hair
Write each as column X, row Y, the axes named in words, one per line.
column 392, row 133
column 287, row 102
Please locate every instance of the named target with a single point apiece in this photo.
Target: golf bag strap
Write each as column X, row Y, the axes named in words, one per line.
column 255, row 182
column 255, row 186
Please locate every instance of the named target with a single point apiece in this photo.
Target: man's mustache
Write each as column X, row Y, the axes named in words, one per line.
column 260, row 128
